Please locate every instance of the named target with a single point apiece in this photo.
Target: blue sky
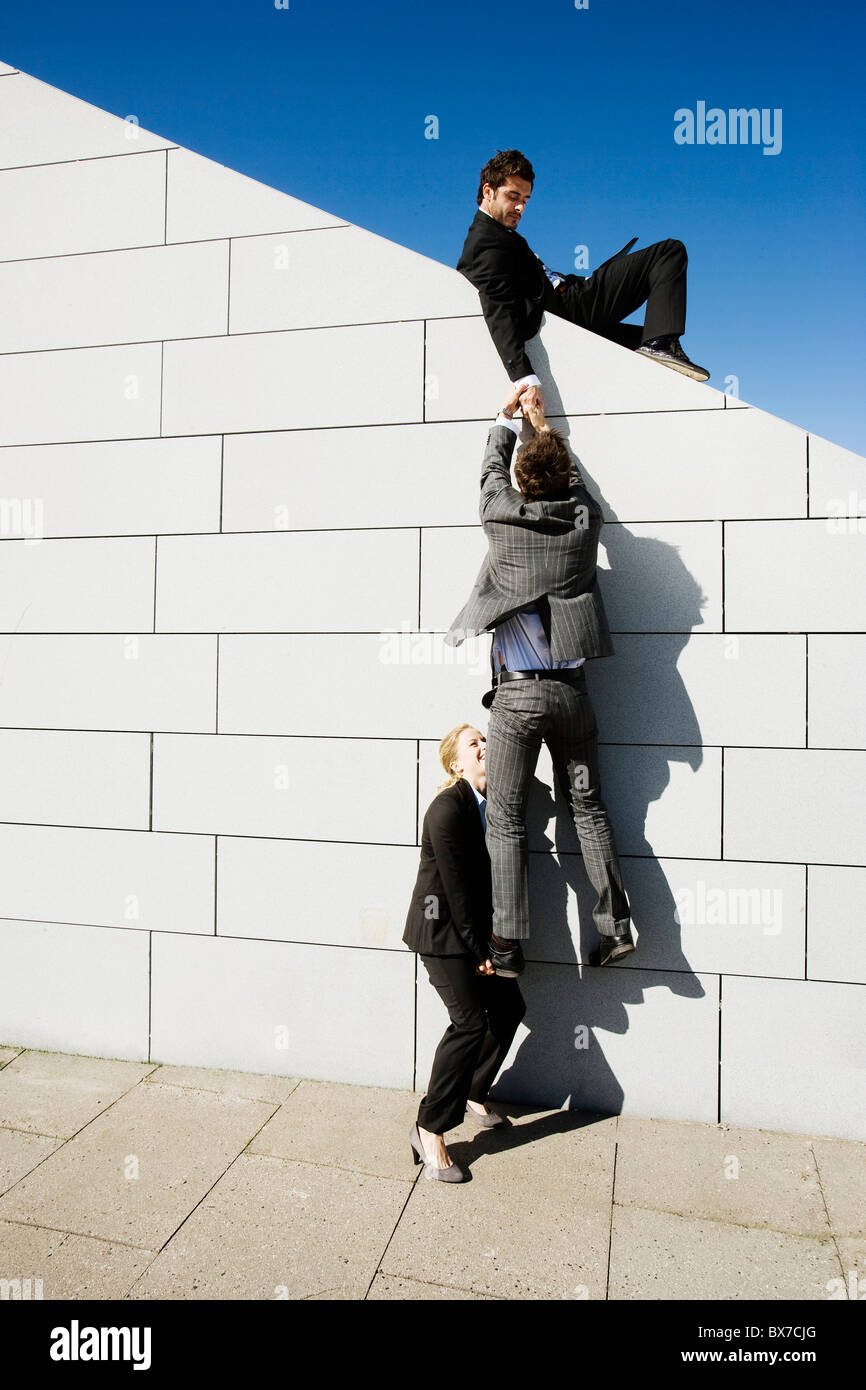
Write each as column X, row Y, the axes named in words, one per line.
column 328, row 101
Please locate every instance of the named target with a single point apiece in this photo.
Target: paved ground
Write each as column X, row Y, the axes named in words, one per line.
column 133, row 1180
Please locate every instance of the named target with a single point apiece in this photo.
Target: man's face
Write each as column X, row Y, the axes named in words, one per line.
column 469, row 758
column 506, row 203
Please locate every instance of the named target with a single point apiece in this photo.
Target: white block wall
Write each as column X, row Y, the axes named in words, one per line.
column 239, row 454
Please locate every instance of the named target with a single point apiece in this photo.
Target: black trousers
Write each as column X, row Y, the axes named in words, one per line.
column 656, row 275
column 484, row 1011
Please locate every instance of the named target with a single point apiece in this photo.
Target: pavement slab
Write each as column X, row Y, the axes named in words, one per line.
column 137, row 1171
column 364, row 1128
column 68, row 1266
column 532, row 1223
column 52, row 1093
column 657, row 1254
column 247, row 1085
column 389, row 1287
column 276, row 1229
column 842, row 1169
column 747, row 1177
column 21, row 1152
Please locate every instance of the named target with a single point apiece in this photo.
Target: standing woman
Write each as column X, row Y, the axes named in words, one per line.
column 449, row 926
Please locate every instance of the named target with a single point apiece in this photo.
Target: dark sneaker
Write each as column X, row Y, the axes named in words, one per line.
column 612, row 948
column 669, row 352
column 508, row 963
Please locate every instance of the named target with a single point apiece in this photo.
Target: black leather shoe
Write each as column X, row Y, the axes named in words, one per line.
column 612, row 948
column 667, row 350
column 508, row 963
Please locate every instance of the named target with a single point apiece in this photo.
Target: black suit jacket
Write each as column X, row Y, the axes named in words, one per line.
column 451, row 911
column 512, row 286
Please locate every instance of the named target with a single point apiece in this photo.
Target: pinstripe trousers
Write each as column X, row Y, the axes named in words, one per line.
column 525, row 713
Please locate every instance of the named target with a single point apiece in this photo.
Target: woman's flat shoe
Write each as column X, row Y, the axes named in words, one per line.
column 490, row 1120
column 453, row 1174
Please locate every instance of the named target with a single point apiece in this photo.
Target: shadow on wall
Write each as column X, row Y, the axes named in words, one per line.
column 561, row 1062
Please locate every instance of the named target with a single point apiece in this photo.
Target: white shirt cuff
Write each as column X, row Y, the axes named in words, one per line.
column 512, row 424
column 531, row 380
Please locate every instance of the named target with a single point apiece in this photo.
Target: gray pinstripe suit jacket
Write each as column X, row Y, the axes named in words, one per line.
column 536, row 549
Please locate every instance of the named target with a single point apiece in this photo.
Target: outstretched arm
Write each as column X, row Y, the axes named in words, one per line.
column 496, row 464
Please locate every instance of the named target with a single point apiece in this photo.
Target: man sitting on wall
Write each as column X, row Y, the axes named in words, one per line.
column 537, row 589
column 516, row 287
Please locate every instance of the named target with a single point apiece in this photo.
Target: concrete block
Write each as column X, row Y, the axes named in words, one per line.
column 653, row 578
column 108, row 878
column 339, row 894
column 662, row 800
column 313, row 280
column 298, row 788
column 837, row 483
column 800, row 805
column 205, row 199
column 837, row 712
column 61, row 777
column 73, row 989
column 59, row 585
column 709, row 689
column 584, row 1044
column 297, row 480
column 117, row 297
column 111, row 682
column 581, row 374
column 794, row 576
column 272, row 381
column 837, row 949
column 122, row 487
column 296, row 582
column 662, row 578
column 792, row 1056
column 403, row 683
column 257, row 1006
column 708, row 916
column 89, row 393
column 42, row 125
column 86, row 205
column 691, row 466
column 451, row 557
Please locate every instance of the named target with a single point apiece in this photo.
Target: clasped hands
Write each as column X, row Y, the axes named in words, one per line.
column 528, row 398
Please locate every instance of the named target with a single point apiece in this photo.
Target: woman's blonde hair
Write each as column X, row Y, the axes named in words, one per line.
column 447, row 754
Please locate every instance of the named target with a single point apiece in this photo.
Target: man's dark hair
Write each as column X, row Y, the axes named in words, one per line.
column 542, row 469
column 505, row 164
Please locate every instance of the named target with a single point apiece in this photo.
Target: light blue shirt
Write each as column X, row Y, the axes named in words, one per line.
column 522, row 643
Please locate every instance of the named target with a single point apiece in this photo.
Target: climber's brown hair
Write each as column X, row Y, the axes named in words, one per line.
column 505, row 164
column 542, row 468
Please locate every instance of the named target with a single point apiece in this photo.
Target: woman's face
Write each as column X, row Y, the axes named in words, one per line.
column 469, row 758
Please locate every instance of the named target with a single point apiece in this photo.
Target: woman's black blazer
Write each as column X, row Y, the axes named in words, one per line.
column 451, row 909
